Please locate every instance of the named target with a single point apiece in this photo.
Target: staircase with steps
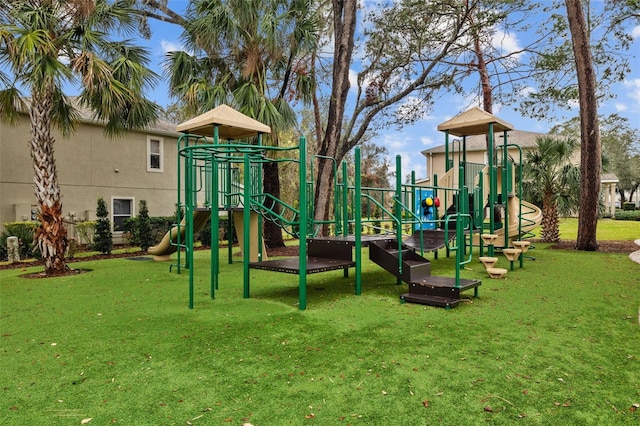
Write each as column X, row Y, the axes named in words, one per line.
column 415, row 270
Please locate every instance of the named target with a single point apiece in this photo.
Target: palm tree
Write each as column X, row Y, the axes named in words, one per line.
column 47, row 44
column 551, row 181
column 251, row 54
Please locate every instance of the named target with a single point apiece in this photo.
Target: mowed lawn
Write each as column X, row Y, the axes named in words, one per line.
column 554, row 343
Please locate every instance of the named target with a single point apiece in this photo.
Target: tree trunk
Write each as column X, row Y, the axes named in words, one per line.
column 51, row 236
column 590, row 153
column 271, row 182
column 550, row 224
column 344, row 23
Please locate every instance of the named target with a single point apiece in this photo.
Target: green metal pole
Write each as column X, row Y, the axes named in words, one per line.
column 358, row 223
column 436, row 217
column 259, row 187
column 214, row 220
column 302, row 284
column 246, row 223
column 462, row 211
column 345, row 199
column 505, row 191
column 492, row 186
column 397, row 211
column 446, row 151
column 413, row 206
column 189, row 225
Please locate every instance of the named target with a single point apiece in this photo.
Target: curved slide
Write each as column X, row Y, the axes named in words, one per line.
column 165, row 248
column 531, row 217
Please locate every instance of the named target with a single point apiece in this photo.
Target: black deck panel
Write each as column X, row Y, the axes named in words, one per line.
column 432, row 239
column 449, row 282
column 351, row 239
column 291, row 265
column 443, row 302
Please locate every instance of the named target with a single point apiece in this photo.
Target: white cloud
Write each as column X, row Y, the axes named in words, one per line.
column 635, row 33
column 506, row 43
column 620, row 107
column 633, row 90
column 353, row 80
column 170, row 46
column 427, row 142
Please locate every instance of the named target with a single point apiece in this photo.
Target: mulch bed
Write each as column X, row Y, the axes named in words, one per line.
column 624, row 247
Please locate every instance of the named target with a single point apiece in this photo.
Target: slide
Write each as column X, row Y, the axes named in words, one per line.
column 162, row 250
column 531, row 218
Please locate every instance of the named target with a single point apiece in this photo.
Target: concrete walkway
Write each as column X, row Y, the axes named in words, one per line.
column 635, row 256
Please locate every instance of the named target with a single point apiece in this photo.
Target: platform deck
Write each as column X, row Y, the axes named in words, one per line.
column 351, row 239
column 291, row 265
column 432, row 239
column 448, row 282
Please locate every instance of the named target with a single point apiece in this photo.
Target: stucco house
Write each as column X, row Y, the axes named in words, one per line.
column 476, row 152
column 139, row 165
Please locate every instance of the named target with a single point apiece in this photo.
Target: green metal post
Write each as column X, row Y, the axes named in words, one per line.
column 492, row 186
column 259, row 189
column 345, row 199
column 189, row 225
column 246, row 223
column 436, row 217
column 215, row 217
column 302, row 284
column 397, row 212
column 413, row 205
column 505, row 190
column 446, row 151
column 358, row 222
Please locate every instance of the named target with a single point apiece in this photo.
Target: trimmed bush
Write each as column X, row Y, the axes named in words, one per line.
column 24, row 231
column 159, row 226
column 628, row 206
column 103, row 238
column 85, row 230
column 143, row 228
column 627, row 215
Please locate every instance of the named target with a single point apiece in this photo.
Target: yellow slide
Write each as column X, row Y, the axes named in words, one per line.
column 164, row 249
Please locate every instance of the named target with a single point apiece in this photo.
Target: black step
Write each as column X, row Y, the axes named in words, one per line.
column 414, row 266
column 443, row 302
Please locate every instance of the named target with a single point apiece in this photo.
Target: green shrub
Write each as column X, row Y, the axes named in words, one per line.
column 85, row 230
column 159, row 226
column 24, row 231
column 204, row 236
column 627, row 215
column 143, row 230
column 628, row 206
column 103, row 238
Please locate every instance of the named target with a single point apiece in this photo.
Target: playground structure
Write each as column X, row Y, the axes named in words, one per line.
column 215, row 172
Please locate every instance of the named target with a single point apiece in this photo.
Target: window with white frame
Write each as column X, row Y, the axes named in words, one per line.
column 121, row 210
column 155, row 156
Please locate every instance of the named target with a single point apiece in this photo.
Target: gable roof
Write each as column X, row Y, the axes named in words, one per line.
column 87, row 116
column 231, row 124
column 524, row 139
column 474, row 121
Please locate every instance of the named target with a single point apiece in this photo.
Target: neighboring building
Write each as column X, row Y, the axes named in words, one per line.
column 139, row 165
column 476, row 152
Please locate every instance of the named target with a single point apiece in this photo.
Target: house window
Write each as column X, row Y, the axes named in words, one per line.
column 155, row 154
column 121, row 210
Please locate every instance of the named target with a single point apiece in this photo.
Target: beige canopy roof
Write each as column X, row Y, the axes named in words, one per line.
column 474, row 121
column 231, row 124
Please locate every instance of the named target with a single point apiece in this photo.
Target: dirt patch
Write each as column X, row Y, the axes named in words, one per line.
column 623, row 247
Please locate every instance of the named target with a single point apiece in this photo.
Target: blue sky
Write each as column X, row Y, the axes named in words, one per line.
column 411, row 140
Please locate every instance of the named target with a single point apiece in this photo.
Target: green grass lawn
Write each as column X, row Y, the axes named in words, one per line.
column 555, row 343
